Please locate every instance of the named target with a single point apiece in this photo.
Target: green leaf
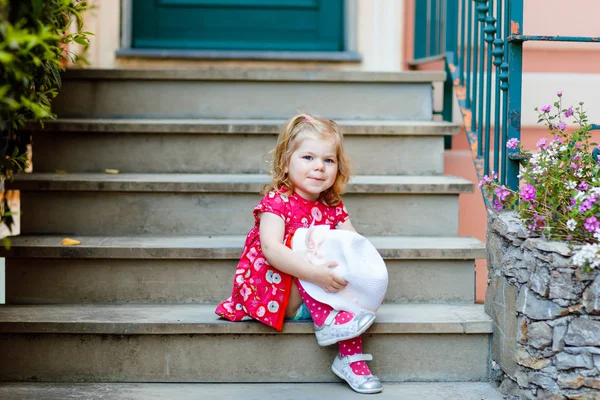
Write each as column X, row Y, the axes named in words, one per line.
column 6, row 58
column 81, row 40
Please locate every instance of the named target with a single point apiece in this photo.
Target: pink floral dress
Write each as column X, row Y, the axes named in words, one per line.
column 261, row 291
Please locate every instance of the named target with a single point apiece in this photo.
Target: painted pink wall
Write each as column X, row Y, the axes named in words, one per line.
column 561, row 17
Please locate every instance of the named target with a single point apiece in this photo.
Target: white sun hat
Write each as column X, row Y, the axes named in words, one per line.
column 359, row 263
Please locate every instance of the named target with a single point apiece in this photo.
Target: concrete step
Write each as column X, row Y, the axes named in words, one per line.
column 189, row 391
column 245, row 94
column 199, row 269
column 189, row 343
column 226, row 146
column 182, row 204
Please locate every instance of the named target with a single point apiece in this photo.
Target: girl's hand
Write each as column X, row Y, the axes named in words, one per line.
column 327, row 279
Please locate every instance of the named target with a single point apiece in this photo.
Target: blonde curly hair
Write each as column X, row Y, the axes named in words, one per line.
column 295, row 130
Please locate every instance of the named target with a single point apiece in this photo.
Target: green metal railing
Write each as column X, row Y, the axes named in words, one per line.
column 481, row 42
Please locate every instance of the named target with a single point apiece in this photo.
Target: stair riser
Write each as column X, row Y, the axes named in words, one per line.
column 69, row 281
column 105, row 98
column 234, row 358
column 122, row 213
column 225, row 153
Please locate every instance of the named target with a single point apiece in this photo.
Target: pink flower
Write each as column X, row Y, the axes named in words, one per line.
column 252, row 253
column 487, row 179
column 591, row 224
column 259, row 263
column 512, row 143
column 528, row 192
column 559, row 93
column 562, row 126
column 316, row 214
column 245, row 292
column 542, row 143
column 569, row 112
column 546, row 108
column 497, row 205
column 502, row 192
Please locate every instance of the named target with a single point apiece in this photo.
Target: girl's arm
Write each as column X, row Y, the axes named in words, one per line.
column 272, row 230
column 347, row 226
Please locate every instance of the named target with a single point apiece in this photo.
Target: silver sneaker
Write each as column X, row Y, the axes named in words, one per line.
column 358, row 383
column 330, row 333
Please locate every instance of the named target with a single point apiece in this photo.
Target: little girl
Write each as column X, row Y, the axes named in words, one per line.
column 310, row 170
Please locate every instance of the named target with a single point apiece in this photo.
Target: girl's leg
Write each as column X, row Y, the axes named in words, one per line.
column 320, row 311
column 351, row 347
column 295, row 301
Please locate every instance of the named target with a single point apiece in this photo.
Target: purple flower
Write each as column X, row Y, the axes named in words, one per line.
column 559, row 93
column 484, row 181
column 583, row 186
column 569, row 112
column 562, row 126
column 527, row 192
column 497, row 205
column 546, row 108
column 502, row 192
column 557, row 140
column 487, row 179
column 537, row 222
column 512, row 143
column 585, row 206
column 591, row 224
column 541, row 144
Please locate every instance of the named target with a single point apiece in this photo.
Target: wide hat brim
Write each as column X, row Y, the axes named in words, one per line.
column 359, row 263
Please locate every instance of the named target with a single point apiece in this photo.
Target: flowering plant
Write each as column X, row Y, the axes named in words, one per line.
column 559, row 194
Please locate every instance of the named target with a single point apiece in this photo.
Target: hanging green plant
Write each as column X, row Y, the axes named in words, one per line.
column 34, row 35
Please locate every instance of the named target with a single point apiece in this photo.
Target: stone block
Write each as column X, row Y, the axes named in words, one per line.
column 536, row 308
column 558, row 337
column 522, row 357
column 570, row 381
column 500, row 305
column 539, row 335
column 523, row 330
column 545, row 382
column 591, row 297
column 522, row 378
column 540, row 280
column 569, row 361
column 583, row 332
column 584, row 396
column 592, row 383
column 562, row 287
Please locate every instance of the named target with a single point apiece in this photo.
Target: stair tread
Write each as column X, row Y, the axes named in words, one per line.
column 238, row 183
column 225, row 247
column 282, row 391
column 255, row 75
column 240, row 126
column 200, row 319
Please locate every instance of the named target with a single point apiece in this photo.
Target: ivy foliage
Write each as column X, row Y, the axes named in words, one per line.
column 33, row 52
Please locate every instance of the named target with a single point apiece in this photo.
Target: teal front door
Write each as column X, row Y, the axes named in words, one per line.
column 268, row 25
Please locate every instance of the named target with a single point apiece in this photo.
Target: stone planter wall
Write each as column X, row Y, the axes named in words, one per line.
column 546, row 313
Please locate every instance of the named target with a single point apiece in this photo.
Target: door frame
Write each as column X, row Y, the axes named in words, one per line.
column 350, row 26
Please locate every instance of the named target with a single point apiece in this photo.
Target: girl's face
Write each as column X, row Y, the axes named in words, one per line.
column 313, row 167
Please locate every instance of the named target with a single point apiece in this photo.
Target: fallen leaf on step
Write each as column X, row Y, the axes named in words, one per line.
column 111, row 171
column 70, row 242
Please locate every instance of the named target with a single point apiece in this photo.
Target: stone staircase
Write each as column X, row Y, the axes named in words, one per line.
column 129, row 312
